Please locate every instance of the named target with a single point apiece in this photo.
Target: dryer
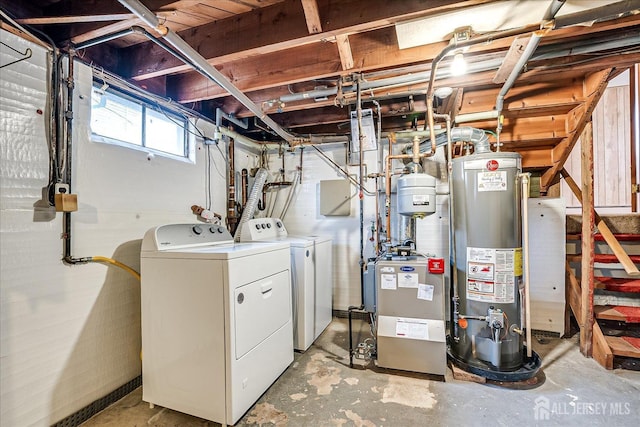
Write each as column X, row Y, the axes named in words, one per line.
column 216, row 320
column 312, row 282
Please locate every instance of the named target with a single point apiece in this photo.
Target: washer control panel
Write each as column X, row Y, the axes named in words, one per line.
column 263, row 229
column 174, row 236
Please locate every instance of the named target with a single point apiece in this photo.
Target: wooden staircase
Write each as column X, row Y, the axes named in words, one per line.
column 616, row 300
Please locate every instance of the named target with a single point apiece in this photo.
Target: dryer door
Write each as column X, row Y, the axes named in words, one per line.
column 261, row 308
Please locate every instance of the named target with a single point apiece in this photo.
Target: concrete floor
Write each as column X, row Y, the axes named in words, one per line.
column 319, row 389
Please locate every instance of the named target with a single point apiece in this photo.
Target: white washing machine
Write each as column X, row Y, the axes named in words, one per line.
column 216, row 320
column 311, row 274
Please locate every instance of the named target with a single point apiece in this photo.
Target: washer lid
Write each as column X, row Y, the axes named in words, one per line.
column 221, row 252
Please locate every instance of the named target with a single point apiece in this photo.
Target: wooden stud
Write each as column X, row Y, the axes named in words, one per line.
column 344, row 49
column 588, row 246
column 634, row 98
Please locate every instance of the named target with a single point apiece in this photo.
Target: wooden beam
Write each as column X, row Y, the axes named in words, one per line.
column 312, row 16
column 344, row 49
column 573, row 293
column 280, row 27
column 75, row 19
column 588, row 246
column 594, row 87
column 513, row 56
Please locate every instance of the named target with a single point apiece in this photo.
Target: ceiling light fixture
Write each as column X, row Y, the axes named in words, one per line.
column 458, row 65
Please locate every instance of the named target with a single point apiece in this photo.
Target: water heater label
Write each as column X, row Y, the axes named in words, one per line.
column 492, row 181
column 491, row 274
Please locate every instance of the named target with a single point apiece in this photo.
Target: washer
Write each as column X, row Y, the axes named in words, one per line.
column 216, row 320
column 311, row 268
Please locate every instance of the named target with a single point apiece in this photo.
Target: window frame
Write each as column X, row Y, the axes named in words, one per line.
column 173, row 115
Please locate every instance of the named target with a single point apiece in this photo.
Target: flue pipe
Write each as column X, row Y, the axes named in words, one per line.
column 199, row 63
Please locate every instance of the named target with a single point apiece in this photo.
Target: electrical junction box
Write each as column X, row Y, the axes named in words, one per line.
column 66, row 202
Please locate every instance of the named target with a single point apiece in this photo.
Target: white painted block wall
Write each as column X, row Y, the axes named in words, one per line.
column 71, row 334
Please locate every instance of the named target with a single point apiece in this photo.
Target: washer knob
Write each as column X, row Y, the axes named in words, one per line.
column 197, row 230
column 278, row 224
column 268, row 225
column 220, row 229
column 257, row 226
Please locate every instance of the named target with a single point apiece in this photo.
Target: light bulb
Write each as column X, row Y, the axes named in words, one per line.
column 458, row 65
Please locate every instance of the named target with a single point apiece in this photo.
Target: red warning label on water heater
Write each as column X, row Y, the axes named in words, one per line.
column 493, row 165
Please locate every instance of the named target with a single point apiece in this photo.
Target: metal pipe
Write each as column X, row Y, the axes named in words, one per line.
column 525, row 243
column 473, row 117
column 387, row 189
column 232, row 218
column 602, row 13
column 532, row 45
column 361, row 138
column 68, row 114
column 103, row 39
column 344, row 172
column 199, row 63
column 455, row 298
column 245, row 186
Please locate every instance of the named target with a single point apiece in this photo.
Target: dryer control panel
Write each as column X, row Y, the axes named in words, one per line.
column 263, row 229
column 176, row 236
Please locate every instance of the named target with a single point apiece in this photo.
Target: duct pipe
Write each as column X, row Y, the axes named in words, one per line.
column 222, row 115
column 534, row 41
column 252, row 202
column 245, row 140
column 199, row 63
column 361, row 138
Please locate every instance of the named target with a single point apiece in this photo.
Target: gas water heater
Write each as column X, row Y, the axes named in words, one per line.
column 486, row 325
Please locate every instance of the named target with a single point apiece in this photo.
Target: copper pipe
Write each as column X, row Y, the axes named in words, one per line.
column 245, row 186
column 232, row 219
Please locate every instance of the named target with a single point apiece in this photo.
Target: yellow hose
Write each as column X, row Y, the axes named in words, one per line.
column 117, row 264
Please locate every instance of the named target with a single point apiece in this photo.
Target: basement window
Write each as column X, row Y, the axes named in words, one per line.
column 122, row 119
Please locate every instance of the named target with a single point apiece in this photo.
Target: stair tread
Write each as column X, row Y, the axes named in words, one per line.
column 624, row 346
column 619, row 284
column 619, row 313
column 621, row 237
column 611, row 258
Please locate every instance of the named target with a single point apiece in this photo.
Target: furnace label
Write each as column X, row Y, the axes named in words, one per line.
column 425, row 292
column 388, row 281
column 407, row 280
column 412, row 328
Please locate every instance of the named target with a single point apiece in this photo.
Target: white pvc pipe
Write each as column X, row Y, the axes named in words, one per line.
column 525, row 256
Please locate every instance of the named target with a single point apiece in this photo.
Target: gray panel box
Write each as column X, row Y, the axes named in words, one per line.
column 410, row 314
